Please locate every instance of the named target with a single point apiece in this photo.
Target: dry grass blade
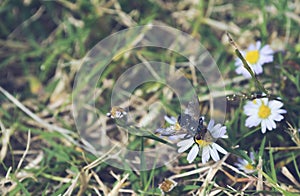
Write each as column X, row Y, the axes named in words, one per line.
column 33, row 116
column 3, row 188
column 189, row 173
column 100, row 159
column 149, row 67
column 26, row 23
column 118, row 186
column 103, row 188
column 259, row 185
column 211, row 173
column 84, row 177
column 4, row 140
column 289, row 175
column 222, row 26
column 46, row 47
column 26, row 150
column 72, row 186
column 65, row 132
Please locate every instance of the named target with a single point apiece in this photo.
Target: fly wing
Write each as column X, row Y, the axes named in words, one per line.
column 189, row 120
column 193, row 109
column 165, row 131
column 208, row 137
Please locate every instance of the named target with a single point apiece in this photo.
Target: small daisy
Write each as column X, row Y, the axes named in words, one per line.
column 256, row 57
column 116, row 113
column 264, row 112
column 206, row 145
column 171, row 131
column 167, row 185
column 244, row 165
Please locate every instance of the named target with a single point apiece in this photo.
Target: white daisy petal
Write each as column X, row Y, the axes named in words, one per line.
column 219, row 148
column 264, row 101
column 258, row 45
column 252, row 121
column 214, row 154
column 239, row 69
column 205, row 154
column 239, row 165
column 252, row 47
column 273, row 124
column 238, row 63
column 274, row 104
column 223, row 132
column 266, row 59
column 250, row 111
column 171, row 120
column 218, row 133
column 210, row 124
column 252, row 156
column 268, row 124
column 193, row 153
column 266, row 50
column 242, row 161
column 281, row 111
column 263, row 127
column 246, row 74
column 258, row 69
column 277, row 117
column 185, row 144
column 215, row 128
column 176, row 137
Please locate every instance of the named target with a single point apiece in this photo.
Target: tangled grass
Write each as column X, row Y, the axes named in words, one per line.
column 43, row 44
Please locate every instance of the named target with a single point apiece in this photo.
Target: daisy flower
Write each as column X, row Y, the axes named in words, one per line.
column 246, row 166
column 206, row 146
column 171, row 130
column 264, row 112
column 167, row 185
column 116, row 113
column 255, row 57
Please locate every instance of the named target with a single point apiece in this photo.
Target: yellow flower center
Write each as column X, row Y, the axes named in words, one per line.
column 252, row 56
column 177, row 126
column 264, row 111
column 249, row 166
column 202, row 143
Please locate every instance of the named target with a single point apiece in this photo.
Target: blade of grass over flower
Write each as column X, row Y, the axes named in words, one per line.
column 246, row 66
